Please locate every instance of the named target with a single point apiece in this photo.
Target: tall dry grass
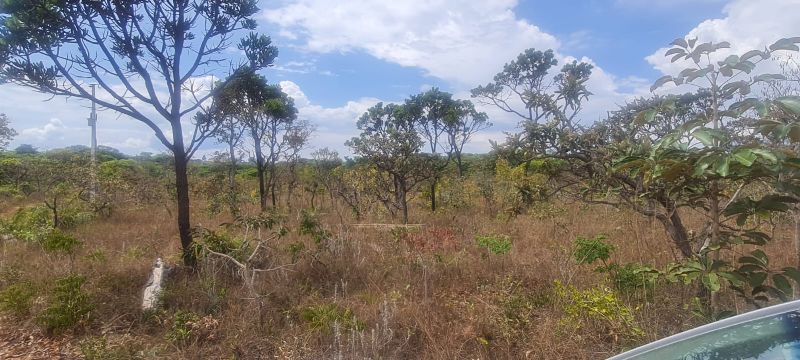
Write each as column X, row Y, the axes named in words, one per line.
column 366, row 293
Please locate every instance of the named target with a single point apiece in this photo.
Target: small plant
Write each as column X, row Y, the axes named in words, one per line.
column 295, row 249
column 98, row 348
column 310, row 225
column 496, row 244
column 70, row 305
column 587, row 251
column 182, row 326
column 600, row 307
column 219, row 242
column 30, row 224
column 325, row 316
column 16, row 299
column 57, row 242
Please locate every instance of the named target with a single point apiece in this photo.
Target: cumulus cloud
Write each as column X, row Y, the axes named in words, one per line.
column 458, row 41
column 746, row 24
column 334, row 125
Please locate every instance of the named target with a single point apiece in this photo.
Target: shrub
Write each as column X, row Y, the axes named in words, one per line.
column 30, row 224
column 16, row 299
column 496, row 244
column 630, row 277
column 600, row 307
column 325, row 316
column 57, row 242
column 181, row 330
column 219, row 242
column 587, row 251
column 69, row 306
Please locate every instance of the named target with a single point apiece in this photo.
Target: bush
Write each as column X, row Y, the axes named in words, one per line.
column 587, row 251
column 16, row 299
column 599, row 307
column 325, row 316
column 70, row 305
column 30, row 224
column 181, row 330
column 57, row 242
column 496, row 244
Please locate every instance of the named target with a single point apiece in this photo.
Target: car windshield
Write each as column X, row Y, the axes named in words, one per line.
column 775, row 337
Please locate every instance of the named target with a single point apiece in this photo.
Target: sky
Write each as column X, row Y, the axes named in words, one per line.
column 339, row 58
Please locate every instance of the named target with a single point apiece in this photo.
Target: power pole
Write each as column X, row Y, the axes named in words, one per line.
column 93, row 170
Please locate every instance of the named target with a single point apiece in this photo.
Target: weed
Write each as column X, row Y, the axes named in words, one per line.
column 181, row 330
column 496, row 244
column 323, row 317
column 57, row 242
column 16, row 299
column 70, row 305
column 600, row 306
column 587, row 251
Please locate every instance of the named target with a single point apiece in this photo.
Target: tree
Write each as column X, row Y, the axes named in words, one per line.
column 390, row 141
column 430, row 111
column 296, row 139
column 6, row 132
column 26, row 149
column 267, row 114
column 145, row 57
column 460, row 125
column 231, row 133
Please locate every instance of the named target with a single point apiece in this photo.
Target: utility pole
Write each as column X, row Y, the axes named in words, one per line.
column 93, row 170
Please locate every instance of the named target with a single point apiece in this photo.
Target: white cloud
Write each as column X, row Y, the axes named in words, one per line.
column 334, row 125
column 746, row 24
column 54, row 128
column 462, row 42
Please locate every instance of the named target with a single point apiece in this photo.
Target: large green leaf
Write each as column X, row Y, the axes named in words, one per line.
column 790, row 104
column 708, row 136
column 744, row 156
column 660, row 82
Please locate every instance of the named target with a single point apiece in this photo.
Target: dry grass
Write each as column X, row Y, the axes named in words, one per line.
column 427, row 293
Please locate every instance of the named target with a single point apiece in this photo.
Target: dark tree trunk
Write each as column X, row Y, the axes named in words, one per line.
column 182, row 192
column 677, row 232
column 262, row 186
column 433, row 194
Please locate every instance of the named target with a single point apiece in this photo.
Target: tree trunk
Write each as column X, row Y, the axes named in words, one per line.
column 459, row 167
column 433, row 194
column 182, row 191
column 262, row 186
column 677, row 232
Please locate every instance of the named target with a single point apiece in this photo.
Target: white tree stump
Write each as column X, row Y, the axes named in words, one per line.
column 154, row 286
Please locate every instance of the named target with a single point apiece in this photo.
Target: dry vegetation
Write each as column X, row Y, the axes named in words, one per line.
column 363, row 292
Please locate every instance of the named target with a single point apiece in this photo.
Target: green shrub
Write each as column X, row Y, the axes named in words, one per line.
column 496, row 244
column 325, row 316
column 219, row 242
column 181, row 330
column 599, row 307
column 57, row 242
column 587, row 251
column 310, row 225
column 31, row 223
column 16, row 299
column 631, row 277
column 69, row 306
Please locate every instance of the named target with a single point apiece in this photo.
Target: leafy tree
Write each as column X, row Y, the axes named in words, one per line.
column 6, row 132
column 460, row 125
column 267, row 114
column 26, row 149
column 390, row 141
column 144, row 55
column 430, row 111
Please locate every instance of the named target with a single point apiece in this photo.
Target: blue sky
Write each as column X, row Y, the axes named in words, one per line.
column 338, row 58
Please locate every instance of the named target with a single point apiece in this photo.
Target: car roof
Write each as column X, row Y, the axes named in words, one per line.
column 715, row 326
